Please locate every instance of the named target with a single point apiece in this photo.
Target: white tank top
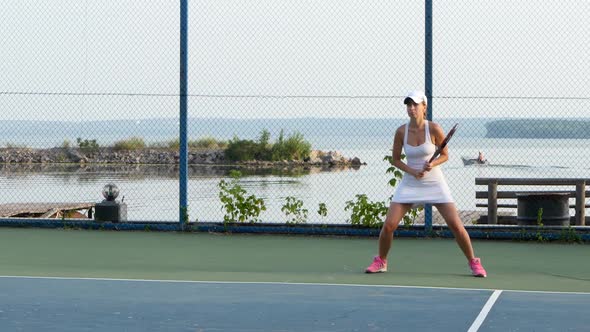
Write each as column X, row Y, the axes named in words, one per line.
column 418, row 155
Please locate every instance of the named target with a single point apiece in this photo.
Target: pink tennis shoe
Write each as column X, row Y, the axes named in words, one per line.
column 476, row 269
column 378, row 265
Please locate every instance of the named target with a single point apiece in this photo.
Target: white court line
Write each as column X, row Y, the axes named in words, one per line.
column 238, row 282
column 484, row 311
column 278, row 283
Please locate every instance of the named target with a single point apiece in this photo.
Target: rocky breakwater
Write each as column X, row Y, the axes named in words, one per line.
column 159, row 156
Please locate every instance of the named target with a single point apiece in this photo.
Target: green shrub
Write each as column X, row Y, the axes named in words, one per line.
column 264, row 149
column 278, row 151
column 322, row 210
column 540, row 225
column 241, row 150
column 366, row 213
column 239, row 207
column 294, row 207
column 295, row 147
column 133, row 143
column 87, row 146
column 570, row 235
column 411, row 216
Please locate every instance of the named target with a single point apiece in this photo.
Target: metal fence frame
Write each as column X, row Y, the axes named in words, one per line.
column 481, row 231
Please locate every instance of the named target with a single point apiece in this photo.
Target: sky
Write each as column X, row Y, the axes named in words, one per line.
column 99, row 59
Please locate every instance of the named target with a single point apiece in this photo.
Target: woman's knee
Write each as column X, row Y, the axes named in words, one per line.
column 389, row 226
column 394, row 215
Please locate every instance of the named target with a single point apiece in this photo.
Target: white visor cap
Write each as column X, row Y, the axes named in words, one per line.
column 417, row 96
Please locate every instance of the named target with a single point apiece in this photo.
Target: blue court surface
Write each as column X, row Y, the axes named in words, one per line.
column 73, row 304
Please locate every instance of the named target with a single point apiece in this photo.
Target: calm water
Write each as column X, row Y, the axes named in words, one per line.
column 151, row 192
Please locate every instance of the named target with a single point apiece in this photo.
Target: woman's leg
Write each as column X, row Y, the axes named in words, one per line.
column 449, row 212
column 395, row 213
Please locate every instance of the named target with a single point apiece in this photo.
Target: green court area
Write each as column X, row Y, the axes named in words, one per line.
column 293, row 259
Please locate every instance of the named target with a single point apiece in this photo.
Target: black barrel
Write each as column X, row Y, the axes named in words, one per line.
column 555, row 207
column 110, row 211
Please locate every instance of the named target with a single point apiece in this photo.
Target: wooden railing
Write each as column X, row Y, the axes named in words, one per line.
column 492, row 194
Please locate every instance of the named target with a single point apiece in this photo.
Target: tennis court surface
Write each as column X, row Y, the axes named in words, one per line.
column 70, row 280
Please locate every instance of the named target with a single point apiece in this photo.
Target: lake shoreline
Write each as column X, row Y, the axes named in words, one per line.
column 110, row 156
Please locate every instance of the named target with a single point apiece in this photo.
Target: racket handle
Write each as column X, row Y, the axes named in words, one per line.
column 436, row 154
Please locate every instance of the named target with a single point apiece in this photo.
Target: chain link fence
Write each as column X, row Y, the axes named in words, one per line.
column 89, row 96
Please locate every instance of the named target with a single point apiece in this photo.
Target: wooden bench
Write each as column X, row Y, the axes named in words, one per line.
column 492, row 194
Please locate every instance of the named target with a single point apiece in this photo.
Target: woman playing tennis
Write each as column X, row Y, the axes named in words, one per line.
column 423, row 182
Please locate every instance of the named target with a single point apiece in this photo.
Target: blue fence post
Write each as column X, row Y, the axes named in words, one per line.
column 428, row 88
column 183, row 161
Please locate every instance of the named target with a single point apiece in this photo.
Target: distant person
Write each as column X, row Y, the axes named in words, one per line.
column 480, row 158
column 422, row 183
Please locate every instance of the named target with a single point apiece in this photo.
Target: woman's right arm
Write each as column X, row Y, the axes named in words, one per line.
column 398, row 143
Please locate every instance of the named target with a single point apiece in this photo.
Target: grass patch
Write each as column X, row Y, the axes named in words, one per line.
column 204, row 143
column 294, row 147
column 133, row 143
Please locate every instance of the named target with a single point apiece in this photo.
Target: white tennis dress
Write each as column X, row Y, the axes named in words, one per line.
column 432, row 188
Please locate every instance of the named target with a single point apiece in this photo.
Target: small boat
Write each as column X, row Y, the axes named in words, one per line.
column 474, row 161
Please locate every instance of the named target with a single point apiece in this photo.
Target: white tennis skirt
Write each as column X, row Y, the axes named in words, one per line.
column 431, row 189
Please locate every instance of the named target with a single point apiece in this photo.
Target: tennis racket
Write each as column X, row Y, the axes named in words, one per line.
column 444, row 143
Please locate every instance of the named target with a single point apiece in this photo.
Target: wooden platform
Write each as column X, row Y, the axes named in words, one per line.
column 46, row 210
